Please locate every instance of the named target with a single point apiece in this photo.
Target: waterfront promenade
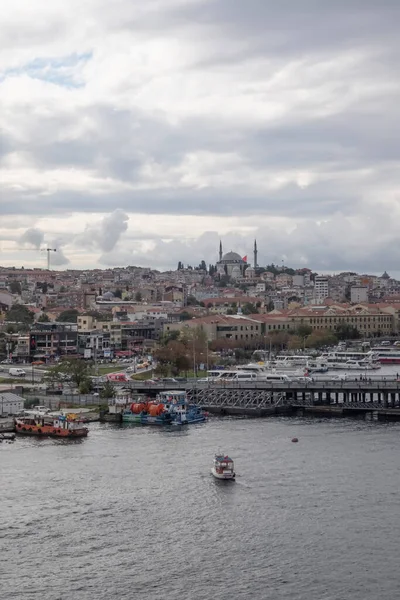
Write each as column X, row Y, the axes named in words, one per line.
column 264, row 398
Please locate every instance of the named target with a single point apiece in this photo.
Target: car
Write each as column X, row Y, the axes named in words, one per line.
column 168, row 380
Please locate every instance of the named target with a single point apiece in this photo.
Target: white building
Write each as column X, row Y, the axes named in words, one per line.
column 321, row 288
column 10, row 404
column 358, row 293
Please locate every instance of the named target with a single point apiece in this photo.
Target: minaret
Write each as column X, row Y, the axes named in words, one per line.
column 255, row 254
column 220, row 250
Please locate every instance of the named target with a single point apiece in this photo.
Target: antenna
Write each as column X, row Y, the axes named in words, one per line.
column 48, row 250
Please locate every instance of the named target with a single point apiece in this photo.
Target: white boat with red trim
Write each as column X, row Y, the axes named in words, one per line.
column 223, row 467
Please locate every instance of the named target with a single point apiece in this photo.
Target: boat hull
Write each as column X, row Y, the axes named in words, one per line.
column 159, row 421
column 223, row 476
column 49, row 430
column 389, row 360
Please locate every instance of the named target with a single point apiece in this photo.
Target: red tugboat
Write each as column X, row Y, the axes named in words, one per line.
column 69, row 426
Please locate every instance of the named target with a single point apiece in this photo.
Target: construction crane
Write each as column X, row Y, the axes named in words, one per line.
column 48, row 250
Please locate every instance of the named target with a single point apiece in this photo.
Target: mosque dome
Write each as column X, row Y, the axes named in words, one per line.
column 232, row 257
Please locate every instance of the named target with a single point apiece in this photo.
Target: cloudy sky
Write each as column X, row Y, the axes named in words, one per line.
column 142, row 132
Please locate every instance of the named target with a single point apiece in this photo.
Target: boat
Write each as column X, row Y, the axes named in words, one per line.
column 223, row 467
column 387, row 356
column 352, row 360
column 169, row 408
column 44, row 424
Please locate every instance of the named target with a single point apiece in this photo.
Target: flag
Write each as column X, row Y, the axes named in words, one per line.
column 244, row 258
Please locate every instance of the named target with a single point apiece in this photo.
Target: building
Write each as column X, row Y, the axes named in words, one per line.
column 10, row 404
column 220, row 327
column 368, row 320
column 358, row 293
column 321, row 288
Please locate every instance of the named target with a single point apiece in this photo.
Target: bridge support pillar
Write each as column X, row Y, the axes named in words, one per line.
column 385, row 399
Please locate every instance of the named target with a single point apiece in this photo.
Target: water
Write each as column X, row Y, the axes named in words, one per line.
column 134, row 513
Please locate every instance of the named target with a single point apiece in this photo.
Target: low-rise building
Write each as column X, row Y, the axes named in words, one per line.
column 10, row 404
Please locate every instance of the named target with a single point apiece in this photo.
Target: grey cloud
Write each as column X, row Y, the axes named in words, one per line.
column 335, row 245
column 33, row 237
column 106, row 233
column 351, row 149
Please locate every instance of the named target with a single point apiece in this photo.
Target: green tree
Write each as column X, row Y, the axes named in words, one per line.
column 76, row 368
column 118, row 293
column 44, row 318
column 345, row 331
column 249, row 309
column 138, row 297
column 15, row 287
column 86, row 386
column 108, row 391
column 20, row 314
column 68, row 316
column 303, row 330
column 168, row 337
column 191, row 301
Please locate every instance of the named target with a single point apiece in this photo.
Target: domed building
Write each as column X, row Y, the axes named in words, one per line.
column 231, row 264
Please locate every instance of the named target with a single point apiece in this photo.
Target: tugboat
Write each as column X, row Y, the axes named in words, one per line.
column 223, row 467
column 41, row 424
column 170, row 408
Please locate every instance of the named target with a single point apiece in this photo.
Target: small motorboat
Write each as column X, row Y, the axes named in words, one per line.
column 223, row 467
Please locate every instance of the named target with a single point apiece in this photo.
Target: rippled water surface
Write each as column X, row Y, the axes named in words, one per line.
column 134, row 513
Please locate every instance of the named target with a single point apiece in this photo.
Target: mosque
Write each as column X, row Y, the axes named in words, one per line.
column 232, row 264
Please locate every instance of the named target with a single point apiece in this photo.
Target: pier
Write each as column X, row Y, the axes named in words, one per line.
column 262, row 398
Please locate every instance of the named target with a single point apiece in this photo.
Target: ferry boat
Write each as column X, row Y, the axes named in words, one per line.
column 388, row 356
column 223, row 467
column 351, row 360
column 44, row 424
column 170, row 408
column 290, row 361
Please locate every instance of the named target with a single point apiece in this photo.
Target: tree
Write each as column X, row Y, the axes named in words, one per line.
column 303, row 330
column 15, row 287
column 203, row 266
column 249, row 309
column 321, row 338
column 118, row 293
column 180, row 266
column 191, row 301
column 68, row 316
column 76, row 368
column 345, row 331
column 185, row 316
column 44, row 318
column 108, row 391
column 295, row 343
column 138, row 297
column 20, row 314
column 86, row 386
column 168, row 337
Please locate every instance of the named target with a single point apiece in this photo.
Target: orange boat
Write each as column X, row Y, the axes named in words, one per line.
column 69, row 426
